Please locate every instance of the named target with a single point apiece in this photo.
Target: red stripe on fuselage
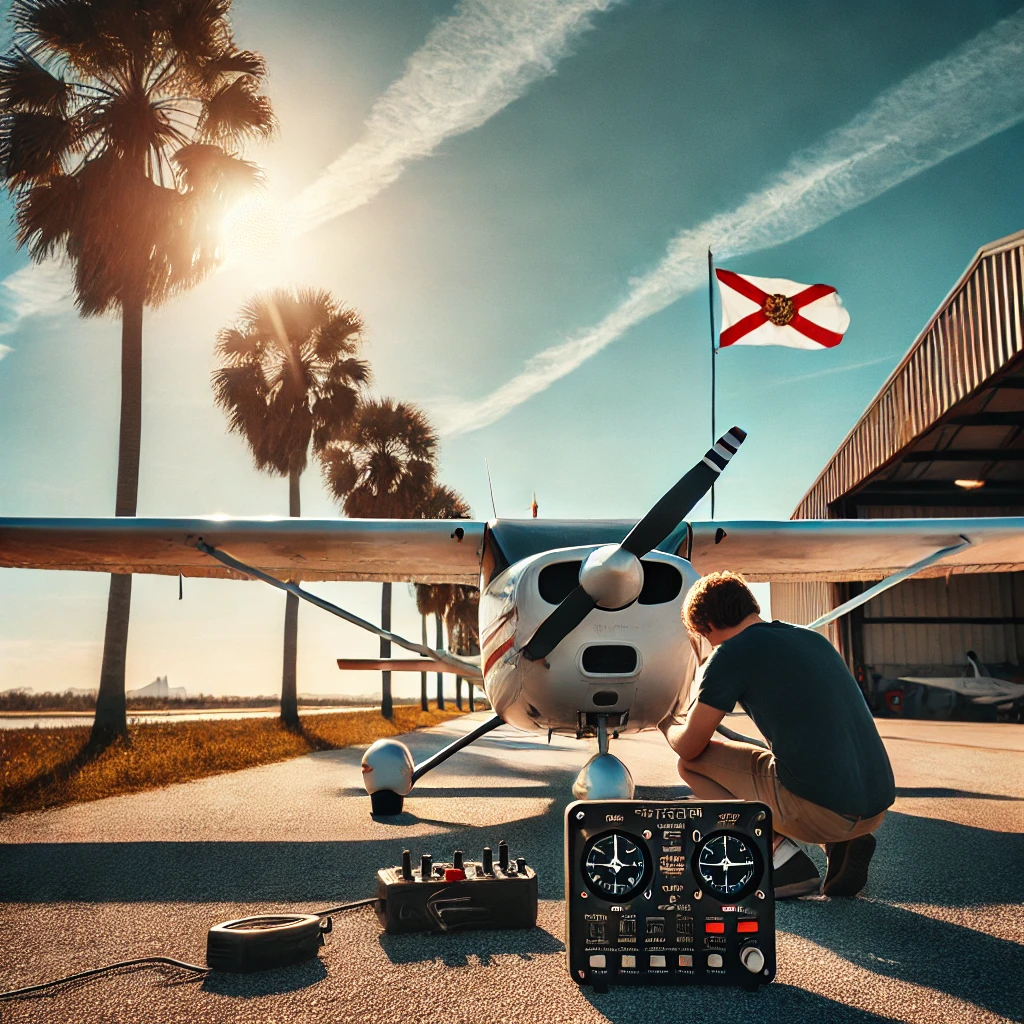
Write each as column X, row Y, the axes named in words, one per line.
column 498, row 653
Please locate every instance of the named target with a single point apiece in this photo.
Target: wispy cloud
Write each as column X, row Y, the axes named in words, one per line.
column 934, row 114
column 471, row 66
column 35, row 289
column 831, row 371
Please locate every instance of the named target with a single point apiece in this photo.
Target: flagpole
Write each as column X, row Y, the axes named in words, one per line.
column 711, row 314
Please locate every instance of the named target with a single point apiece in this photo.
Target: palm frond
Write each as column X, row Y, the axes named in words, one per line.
column 26, row 85
column 237, row 112
column 34, row 146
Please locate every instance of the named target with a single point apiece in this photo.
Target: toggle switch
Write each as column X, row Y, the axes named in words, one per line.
column 457, row 861
column 488, row 861
column 407, row 865
column 503, row 855
column 426, row 866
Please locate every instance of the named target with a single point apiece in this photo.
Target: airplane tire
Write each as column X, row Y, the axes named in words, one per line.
column 385, row 803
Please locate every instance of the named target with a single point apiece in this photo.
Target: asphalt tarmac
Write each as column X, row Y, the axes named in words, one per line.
column 937, row 936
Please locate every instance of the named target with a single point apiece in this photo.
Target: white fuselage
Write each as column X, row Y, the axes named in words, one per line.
column 633, row 661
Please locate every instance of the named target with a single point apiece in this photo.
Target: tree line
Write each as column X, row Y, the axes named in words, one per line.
column 121, row 144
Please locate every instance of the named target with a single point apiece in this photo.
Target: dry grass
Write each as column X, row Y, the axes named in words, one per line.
column 47, row 767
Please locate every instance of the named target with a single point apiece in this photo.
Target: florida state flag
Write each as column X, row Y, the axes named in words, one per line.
column 772, row 311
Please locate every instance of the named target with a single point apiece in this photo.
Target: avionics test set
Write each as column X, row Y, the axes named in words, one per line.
column 657, row 892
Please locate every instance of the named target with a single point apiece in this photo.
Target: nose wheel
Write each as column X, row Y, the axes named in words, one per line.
column 604, row 776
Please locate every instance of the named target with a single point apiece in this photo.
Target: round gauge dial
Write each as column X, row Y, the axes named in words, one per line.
column 727, row 865
column 616, row 865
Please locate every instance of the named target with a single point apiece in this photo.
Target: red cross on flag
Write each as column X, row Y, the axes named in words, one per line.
column 772, row 311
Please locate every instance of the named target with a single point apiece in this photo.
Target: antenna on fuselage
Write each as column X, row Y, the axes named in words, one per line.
column 490, row 486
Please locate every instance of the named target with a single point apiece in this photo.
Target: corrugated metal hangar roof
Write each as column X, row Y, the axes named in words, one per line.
column 953, row 409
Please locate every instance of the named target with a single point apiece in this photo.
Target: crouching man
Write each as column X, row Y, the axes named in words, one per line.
column 826, row 775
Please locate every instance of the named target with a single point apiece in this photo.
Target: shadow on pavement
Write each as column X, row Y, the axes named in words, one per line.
column 456, row 950
column 964, row 963
column 950, row 794
column 775, row 1002
column 266, row 983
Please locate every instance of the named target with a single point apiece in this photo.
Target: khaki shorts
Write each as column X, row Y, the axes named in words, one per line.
column 749, row 773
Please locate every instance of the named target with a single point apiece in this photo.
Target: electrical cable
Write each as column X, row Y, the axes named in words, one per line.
column 147, row 960
column 141, row 961
column 346, row 906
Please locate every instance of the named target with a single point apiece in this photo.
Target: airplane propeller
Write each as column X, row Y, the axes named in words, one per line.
column 612, row 576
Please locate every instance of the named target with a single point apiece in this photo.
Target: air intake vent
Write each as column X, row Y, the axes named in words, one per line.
column 558, row 580
column 610, row 660
column 605, row 699
column 661, row 583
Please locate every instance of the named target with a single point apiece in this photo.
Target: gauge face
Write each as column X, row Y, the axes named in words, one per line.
column 727, row 865
column 615, row 866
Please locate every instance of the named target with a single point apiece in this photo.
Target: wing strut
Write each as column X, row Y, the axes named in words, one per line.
column 889, row 581
column 463, row 668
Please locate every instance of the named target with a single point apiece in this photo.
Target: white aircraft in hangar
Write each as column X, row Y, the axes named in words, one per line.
column 977, row 684
column 579, row 619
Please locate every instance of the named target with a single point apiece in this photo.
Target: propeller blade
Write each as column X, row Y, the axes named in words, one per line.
column 560, row 623
column 666, row 515
column 671, row 509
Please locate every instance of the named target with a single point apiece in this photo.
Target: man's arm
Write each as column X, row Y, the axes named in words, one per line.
column 689, row 733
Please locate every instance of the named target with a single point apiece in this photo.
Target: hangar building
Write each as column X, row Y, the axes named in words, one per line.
column 943, row 437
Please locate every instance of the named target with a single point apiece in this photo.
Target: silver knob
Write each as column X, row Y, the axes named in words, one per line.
column 753, row 959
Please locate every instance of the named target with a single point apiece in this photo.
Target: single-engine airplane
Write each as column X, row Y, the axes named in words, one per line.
column 579, row 619
column 978, row 685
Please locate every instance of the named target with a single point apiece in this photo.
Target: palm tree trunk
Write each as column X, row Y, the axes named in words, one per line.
column 289, row 671
column 440, row 675
column 424, row 706
column 111, row 719
column 386, row 709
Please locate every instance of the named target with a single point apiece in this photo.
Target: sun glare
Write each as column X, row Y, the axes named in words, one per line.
column 253, row 230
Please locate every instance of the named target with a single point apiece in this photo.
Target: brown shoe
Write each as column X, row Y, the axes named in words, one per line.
column 847, row 871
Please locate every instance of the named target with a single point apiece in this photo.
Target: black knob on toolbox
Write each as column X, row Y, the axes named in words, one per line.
column 503, row 855
column 521, row 865
column 406, row 865
column 426, row 863
column 457, row 860
column 488, row 861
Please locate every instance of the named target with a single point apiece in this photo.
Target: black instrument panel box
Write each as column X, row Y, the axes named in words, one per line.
column 483, row 899
column 669, row 892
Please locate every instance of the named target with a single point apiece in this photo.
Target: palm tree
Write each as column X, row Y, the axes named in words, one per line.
column 439, row 599
column 383, row 468
column 119, row 145
column 289, row 378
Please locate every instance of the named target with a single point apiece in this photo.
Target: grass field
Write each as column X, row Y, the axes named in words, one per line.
column 42, row 768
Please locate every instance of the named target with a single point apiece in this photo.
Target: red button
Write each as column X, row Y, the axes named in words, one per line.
column 715, row 927
column 746, row 926
column 454, row 875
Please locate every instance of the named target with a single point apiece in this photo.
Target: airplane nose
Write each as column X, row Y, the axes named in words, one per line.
column 612, row 577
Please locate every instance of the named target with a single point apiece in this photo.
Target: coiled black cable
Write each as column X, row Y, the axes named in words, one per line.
column 146, row 960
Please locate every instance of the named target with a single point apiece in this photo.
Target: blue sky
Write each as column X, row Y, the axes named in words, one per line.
column 484, row 209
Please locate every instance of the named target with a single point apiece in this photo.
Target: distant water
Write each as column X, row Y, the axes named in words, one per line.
column 65, row 721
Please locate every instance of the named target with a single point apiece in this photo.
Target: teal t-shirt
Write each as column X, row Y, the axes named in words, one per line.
column 800, row 694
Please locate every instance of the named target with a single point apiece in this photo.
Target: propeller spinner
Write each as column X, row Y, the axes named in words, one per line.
column 612, row 576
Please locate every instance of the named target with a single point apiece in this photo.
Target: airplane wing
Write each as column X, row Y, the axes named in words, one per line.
column 836, row 550
column 414, row 550
column 449, row 551
column 980, row 690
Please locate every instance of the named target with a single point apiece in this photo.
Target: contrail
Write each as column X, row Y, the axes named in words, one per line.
column 951, row 105
column 471, row 66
